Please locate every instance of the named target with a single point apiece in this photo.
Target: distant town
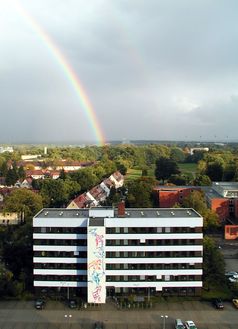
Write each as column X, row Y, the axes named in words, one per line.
column 126, row 223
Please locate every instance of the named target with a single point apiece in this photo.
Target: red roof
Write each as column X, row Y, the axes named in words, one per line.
column 34, row 172
column 82, row 201
column 118, row 176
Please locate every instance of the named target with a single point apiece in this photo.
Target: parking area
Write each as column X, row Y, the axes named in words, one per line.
column 22, row 315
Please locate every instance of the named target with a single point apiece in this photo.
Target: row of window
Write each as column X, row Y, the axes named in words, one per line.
column 138, row 242
column 83, row 266
column 74, row 278
column 148, row 242
column 63, row 254
column 119, row 230
column 60, row 242
column 152, row 230
column 119, row 278
column 153, row 266
column 153, row 254
column 64, row 230
column 152, row 278
column 61, row 266
column 122, row 254
column 189, row 291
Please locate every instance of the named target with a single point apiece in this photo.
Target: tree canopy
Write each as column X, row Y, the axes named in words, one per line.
column 196, row 200
column 140, row 192
column 165, row 167
column 23, row 201
column 213, row 263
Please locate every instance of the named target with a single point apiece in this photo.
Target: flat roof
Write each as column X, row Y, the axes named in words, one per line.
column 173, row 187
column 226, row 185
column 96, row 222
column 211, row 193
column 129, row 213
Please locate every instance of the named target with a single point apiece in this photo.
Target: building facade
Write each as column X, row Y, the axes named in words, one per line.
column 168, row 196
column 222, row 197
column 102, row 252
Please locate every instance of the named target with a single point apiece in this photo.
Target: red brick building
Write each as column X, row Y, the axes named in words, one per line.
column 231, row 232
column 222, row 197
column 168, row 196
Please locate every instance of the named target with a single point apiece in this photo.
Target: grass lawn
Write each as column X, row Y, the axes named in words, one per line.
column 136, row 173
column 133, row 174
column 217, row 292
column 188, row 169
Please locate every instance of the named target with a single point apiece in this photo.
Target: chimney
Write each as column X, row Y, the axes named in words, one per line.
column 121, row 209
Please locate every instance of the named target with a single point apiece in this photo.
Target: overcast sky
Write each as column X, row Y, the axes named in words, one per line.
column 152, row 69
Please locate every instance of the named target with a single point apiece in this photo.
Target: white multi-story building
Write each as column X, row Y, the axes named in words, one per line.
column 107, row 251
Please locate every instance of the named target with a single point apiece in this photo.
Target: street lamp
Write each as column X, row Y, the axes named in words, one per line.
column 163, row 319
column 68, row 317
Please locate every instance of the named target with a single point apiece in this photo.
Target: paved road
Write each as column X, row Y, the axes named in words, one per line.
column 22, row 315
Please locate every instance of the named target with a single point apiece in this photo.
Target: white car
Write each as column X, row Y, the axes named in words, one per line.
column 232, row 274
column 233, row 279
column 190, row 325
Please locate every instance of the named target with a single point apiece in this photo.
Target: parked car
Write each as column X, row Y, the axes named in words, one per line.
column 217, row 303
column 98, row 325
column 232, row 274
column 72, row 303
column 39, row 304
column 232, row 279
column 235, row 302
column 179, row 324
column 190, row 325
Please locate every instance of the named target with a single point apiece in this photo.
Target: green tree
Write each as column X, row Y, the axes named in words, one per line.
column 215, row 171
column 122, row 168
column 62, row 175
column 12, row 175
column 229, row 172
column 213, row 263
column 86, row 178
column 21, row 172
column 144, row 172
column 196, row 200
column 178, row 180
column 177, row 154
column 23, row 201
column 202, row 180
column 18, row 255
column 3, row 169
column 140, row 192
column 165, row 167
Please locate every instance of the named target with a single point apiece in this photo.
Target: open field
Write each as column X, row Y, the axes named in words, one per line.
column 188, row 169
column 136, row 173
column 133, row 174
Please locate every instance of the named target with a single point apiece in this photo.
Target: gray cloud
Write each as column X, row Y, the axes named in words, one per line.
column 152, row 69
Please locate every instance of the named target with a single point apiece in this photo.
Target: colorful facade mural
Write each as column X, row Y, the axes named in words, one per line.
column 96, row 265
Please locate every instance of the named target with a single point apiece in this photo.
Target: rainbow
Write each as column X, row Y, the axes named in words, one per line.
column 68, row 71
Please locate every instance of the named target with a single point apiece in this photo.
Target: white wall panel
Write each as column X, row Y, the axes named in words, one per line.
column 38, row 271
column 159, row 285
column 59, row 222
column 155, row 248
column 60, row 236
column 155, row 272
column 59, row 248
column 59, row 260
column 158, row 236
column 59, row 284
column 154, row 222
